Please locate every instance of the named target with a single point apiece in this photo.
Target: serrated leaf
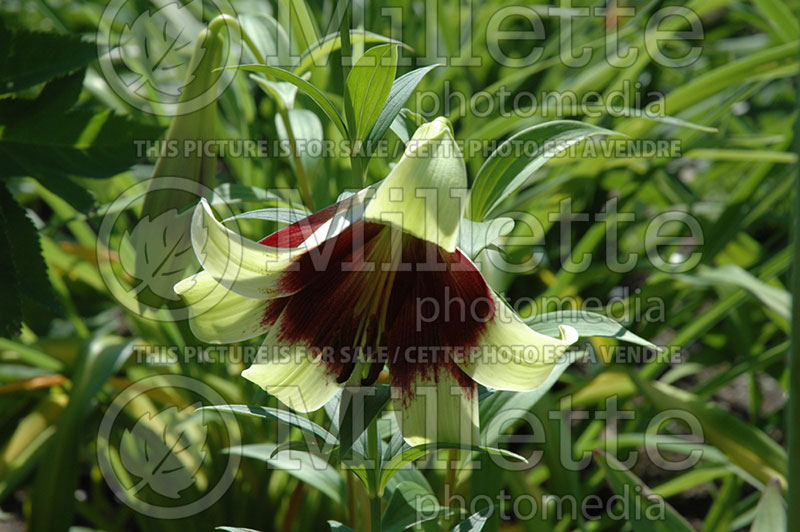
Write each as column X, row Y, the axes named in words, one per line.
column 505, row 171
column 31, row 57
column 369, row 85
column 587, row 324
column 25, row 281
column 76, row 143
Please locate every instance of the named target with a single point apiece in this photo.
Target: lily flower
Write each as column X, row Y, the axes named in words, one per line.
column 375, row 281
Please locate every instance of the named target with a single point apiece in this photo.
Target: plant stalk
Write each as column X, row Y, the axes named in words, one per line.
column 793, row 418
column 302, row 178
column 375, row 508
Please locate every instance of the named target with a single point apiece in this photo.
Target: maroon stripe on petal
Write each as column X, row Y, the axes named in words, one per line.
column 333, row 279
column 295, row 234
column 438, row 309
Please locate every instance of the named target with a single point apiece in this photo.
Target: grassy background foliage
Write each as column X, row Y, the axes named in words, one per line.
column 67, row 150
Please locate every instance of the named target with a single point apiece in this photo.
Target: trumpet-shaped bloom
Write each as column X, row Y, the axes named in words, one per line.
column 375, row 281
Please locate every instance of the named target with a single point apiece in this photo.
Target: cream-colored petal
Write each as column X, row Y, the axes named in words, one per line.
column 293, row 373
column 424, row 194
column 510, row 355
column 220, row 316
column 256, row 270
column 437, row 408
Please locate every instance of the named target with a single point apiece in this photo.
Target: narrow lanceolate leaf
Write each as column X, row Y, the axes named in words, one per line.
column 369, row 84
column 587, row 324
column 317, row 54
column 773, row 297
column 510, row 167
column 475, row 522
column 401, row 91
column 312, row 91
column 57, row 477
column 502, row 408
column 474, row 237
column 309, row 468
column 408, row 456
column 410, row 504
column 771, row 511
column 26, row 286
column 745, row 445
column 31, row 57
column 282, row 415
column 357, row 410
column 646, row 511
column 336, row 526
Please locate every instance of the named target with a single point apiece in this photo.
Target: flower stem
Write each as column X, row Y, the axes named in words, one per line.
column 302, row 178
column 375, row 508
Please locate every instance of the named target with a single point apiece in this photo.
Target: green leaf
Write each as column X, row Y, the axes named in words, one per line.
column 399, row 461
column 235, row 529
column 318, row 53
column 31, row 57
column 356, row 411
column 308, row 132
column 773, row 297
column 409, row 505
column 475, row 522
column 501, row 407
column 504, row 173
column 369, row 85
column 283, row 92
column 771, row 511
column 53, row 495
column 313, row 92
column 405, row 124
column 474, row 237
column 284, row 416
column 268, row 36
column 401, row 91
column 644, row 511
column 336, row 526
column 587, row 324
column 744, row 444
column 26, row 285
column 76, row 143
column 304, row 466
column 779, row 15
column 300, row 23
